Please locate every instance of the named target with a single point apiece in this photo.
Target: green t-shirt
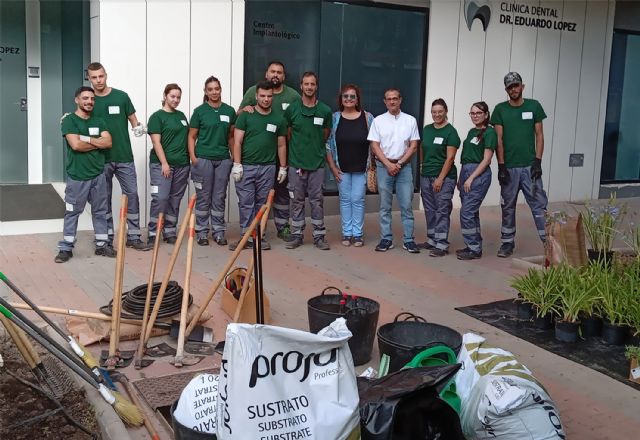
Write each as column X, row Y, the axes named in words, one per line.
column 307, row 149
column 473, row 148
column 280, row 102
column 89, row 164
column 213, row 126
column 172, row 128
column 434, row 149
column 518, row 131
column 260, row 142
column 115, row 108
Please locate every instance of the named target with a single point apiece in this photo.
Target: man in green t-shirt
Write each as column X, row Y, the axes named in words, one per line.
column 518, row 125
column 86, row 138
column 283, row 96
column 115, row 107
column 259, row 140
column 309, row 123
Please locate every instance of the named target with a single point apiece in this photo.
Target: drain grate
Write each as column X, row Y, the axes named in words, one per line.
column 163, row 391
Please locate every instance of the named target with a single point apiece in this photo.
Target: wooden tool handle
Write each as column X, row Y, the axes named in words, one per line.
column 12, row 330
column 185, row 293
column 172, row 262
column 225, row 270
column 117, row 282
column 74, row 312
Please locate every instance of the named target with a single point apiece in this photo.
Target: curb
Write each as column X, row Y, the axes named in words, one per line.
column 111, row 427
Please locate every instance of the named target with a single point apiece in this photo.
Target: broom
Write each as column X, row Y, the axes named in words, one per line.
column 127, row 411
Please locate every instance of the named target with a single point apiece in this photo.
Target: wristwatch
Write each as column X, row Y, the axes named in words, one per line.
column 401, row 163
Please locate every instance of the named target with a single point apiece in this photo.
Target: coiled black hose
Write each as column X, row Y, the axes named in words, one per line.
column 133, row 301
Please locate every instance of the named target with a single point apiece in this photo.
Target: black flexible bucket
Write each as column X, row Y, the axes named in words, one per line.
column 361, row 315
column 403, row 340
column 181, row 432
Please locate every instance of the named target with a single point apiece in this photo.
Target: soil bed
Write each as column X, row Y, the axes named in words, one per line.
column 19, row 402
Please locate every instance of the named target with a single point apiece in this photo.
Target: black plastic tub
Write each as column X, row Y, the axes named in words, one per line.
column 361, row 315
column 404, row 338
column 181, row 432
column 591, row 326
column 614, row 334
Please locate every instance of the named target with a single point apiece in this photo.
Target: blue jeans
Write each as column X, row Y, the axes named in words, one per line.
column 403, row 183
column 437, row 210
column 471, row 201
column 352, row 189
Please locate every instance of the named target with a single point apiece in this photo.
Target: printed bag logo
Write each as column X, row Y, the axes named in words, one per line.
column 289, row 363
column 480, row 9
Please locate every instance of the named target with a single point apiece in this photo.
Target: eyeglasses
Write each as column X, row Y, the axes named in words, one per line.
column 476, row 113
column 349, row 96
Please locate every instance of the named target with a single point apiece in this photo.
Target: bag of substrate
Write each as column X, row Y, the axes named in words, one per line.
column 283, row 384
column 196, row 408
column 500, row 397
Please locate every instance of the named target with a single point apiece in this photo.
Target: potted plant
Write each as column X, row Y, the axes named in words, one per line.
column 632, row 352
column 601, row 226
column 575, row 296
column 527, row 286
column 615, row 288
column 591, row 315
column 540, row 288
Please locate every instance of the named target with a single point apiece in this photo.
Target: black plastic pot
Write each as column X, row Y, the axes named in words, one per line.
column 181, row 432
column 567, row 331
column 361, row 315
column 614, row 334
column 605, row 258
column 403, row 339
column 543, row 322
column 591, row 326
column 524, row 311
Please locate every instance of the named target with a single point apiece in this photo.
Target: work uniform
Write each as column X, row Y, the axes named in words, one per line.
column 85, row 182
column 519, row 141
column 306, row 158
column 166, row 193
column 210, row 174
column 437, row 205
column 279, row 104
column 115, row 108
column 258, row 158
column 473, row 149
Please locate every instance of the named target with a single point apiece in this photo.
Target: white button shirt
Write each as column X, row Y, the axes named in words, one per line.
column 394, row 133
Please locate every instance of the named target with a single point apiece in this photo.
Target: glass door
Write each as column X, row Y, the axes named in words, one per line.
column 13, row 93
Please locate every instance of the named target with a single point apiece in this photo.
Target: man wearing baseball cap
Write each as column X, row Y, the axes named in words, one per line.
column 518, row 124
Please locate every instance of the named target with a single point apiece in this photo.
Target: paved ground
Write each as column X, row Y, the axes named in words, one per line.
column 592, row 405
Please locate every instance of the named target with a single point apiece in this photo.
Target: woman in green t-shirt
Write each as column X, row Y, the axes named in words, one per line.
column 210, row 137
column 168, row 162
column 440, row 142
column 475, row 178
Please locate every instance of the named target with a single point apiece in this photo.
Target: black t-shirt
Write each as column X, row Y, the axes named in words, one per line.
column 352, row 143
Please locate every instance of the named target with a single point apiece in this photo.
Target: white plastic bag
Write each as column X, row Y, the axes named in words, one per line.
column 500, row 397
column 283, row 384
column 196, row 408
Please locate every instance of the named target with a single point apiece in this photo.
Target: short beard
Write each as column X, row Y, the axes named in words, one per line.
column 276, row 81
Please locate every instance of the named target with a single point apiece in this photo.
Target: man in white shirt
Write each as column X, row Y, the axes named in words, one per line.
column 394, row 139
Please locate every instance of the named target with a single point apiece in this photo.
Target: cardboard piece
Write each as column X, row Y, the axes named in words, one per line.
column 229, row 302
column 566, row 242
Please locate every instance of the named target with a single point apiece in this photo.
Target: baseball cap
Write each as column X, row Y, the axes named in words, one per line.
column 512, row 78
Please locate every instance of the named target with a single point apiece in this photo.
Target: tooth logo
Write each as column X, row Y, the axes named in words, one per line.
column 480, row 9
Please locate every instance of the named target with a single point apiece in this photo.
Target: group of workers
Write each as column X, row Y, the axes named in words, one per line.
column 281, row 139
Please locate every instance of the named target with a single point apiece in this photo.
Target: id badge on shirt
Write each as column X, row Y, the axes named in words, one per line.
column 475, row 140
column 527, row 115
column 318, row 121
column 438, row 140
column 284, row 105
column 94, row 131
column 183, row 122
column 224, row 118
column 114, row 110
column 271, row 128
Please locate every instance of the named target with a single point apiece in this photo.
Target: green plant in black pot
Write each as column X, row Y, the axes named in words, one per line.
column 601, row 225
column 540, row 288
column 528, row 287
column 615, row 289
column 574, row 297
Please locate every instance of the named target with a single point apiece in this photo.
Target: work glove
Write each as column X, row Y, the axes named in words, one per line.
column 503, row 175
column 282, row 174
column 536, row 169
column 139, row 130
column 236, row 172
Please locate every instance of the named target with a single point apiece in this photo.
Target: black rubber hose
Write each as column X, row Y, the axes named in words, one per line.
column 133, row 301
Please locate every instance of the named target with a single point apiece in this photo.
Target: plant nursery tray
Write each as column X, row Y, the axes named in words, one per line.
column 592, row 352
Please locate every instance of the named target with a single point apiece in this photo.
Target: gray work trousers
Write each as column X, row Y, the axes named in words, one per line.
column 125, row 172
column 301, row 183
column 534, row 195
column 281, row 203
column 253, row 190
column 166, row 194
column 210, row 179
column 471, row 201
column 437, row 210
column 76, row 195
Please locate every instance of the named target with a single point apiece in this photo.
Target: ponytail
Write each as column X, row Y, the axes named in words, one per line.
column 485, row 108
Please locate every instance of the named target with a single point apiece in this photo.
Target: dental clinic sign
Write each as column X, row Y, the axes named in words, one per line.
column 532, row 16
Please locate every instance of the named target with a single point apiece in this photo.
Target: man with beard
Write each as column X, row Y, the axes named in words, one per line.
column 518, row 124
column 283, row 96
column 87, row 138
column 259, row 140
column 309, row 123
